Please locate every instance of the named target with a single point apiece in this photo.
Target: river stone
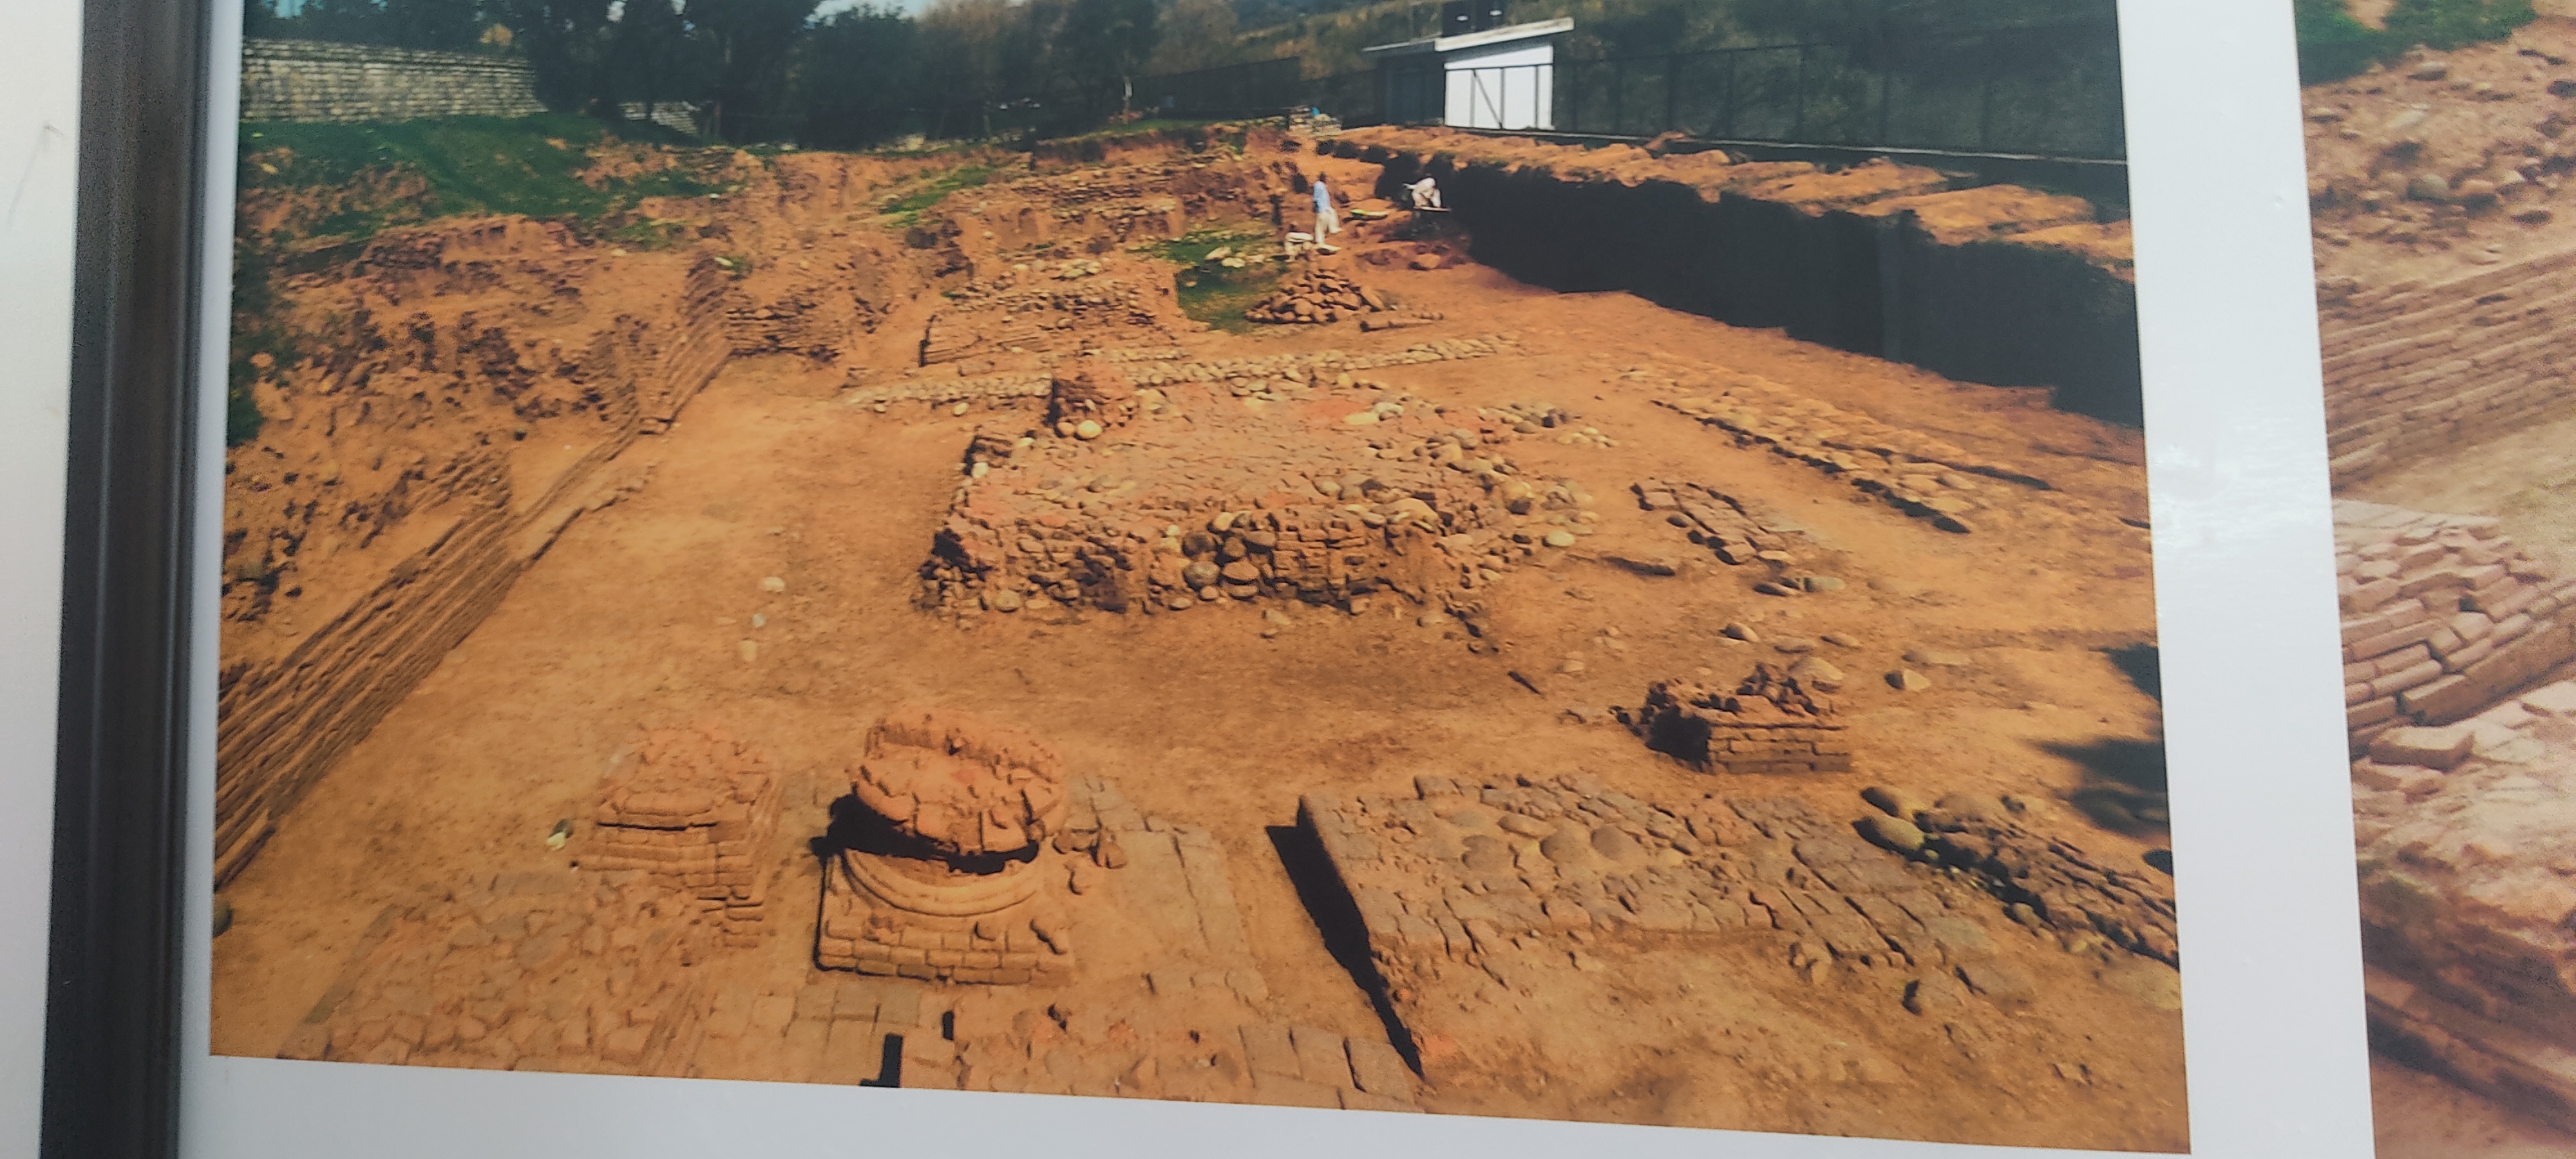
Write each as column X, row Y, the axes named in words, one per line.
column 1199, row 574
column 2428, row 187
column 1240, row 571
column 1908, row 680
column 1566, row 847
column 1901, row 804
column 1526, row 826
column 1613, row 843
column 1741, row 632
column 1932, row 659
column 1560, row 539
column 1933, row 994
column 1486, row 855
column 1004, row 600
column 1815, row 673
column 2150, row 982
column 1890, row 833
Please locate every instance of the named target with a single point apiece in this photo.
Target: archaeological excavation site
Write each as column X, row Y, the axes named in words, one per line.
column 2444, row 250
column 1668, row 639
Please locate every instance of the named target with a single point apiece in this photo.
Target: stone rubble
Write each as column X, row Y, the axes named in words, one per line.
column 1773, row 722
column 695, row 808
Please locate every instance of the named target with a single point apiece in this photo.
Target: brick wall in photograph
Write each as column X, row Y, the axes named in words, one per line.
column 2416, row 367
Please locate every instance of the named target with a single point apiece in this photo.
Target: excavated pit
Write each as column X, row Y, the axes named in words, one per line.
column 1991, row 284
column 952, row 438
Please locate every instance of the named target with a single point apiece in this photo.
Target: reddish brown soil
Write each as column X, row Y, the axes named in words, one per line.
column 639, row 613
column 2497, row 114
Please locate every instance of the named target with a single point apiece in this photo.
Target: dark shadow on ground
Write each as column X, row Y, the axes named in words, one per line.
column 1337, row 918
column 2124, row 783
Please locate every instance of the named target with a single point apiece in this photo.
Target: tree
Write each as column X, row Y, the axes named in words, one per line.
column 1196, row 34
column 1100, row 45
column 752, row 41
column 567, row 44
column 653, row 56
column 856, row 78
column 961, row 63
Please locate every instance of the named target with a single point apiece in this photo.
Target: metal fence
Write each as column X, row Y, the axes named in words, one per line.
column 1259, row 88
column 2048, row 91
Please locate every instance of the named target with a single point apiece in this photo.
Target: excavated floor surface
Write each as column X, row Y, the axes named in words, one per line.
column 762, row 565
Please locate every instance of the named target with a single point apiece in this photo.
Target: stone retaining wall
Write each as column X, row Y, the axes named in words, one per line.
column 2415, row 367
column 312, row 80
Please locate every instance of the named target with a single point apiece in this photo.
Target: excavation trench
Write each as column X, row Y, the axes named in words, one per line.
column 1872, row 278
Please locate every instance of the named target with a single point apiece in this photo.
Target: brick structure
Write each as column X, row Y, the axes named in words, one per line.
column 1311, row 486
column 1770, row 723
column 695, row 808
column 2442, row 616
column 945, row 871
column 312, row 80
column 2414, row 368
column 2468, row 915
column 1488, row 905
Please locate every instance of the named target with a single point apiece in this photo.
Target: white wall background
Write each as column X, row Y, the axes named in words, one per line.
column 1497, row 87
column 39, row 126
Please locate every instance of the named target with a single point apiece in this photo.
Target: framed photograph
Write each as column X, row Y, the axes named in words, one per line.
column 1667, row 575
column 2435, row 156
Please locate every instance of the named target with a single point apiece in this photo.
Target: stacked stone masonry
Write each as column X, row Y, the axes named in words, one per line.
column 695, row 808
column 1771, row 723
column 2415, row 368
column 2468, row 917
column 312, row 80
column 1320, row 489
column 1916, row 473
column 1230, row 372
column 2442, row 616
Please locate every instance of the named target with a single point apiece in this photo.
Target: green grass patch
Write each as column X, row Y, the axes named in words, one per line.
column 1209, row 292
column 471, row 165
column 2333, row 45
column 906, row 210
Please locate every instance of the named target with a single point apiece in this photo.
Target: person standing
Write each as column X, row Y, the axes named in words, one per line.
column 1326, row 221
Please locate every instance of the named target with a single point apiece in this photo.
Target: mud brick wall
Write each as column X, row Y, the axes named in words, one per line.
column 281, row 725
column 560, row 971
column 312, row 80
column 2443, row 616
column 695, row 810
column 2415, row 368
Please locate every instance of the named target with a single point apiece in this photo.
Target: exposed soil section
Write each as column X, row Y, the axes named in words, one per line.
column 772, row 570
column 1985, row 283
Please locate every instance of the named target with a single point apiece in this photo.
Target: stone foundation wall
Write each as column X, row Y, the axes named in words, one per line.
column 2414, row 368
column 312, row 80
column 2443, row 616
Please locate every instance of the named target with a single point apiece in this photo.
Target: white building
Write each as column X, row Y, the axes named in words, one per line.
column 1501, row 78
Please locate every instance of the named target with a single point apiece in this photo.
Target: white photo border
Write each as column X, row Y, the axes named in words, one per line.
column 2254, row 727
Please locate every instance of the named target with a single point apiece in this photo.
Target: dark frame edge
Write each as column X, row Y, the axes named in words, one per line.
column 112, row 1065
